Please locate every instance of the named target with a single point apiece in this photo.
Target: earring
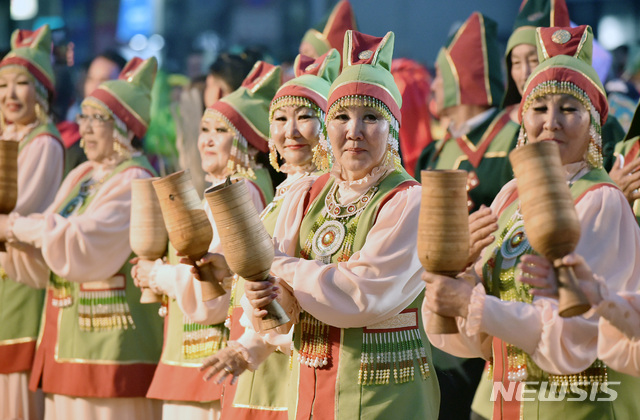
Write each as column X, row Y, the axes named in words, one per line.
column 522, row 137
column 82, row 142
column 273, row 155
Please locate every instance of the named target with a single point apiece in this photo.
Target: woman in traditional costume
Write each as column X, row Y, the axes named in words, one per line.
column 296, row 119
column 533, row 349
column 232, row 132
column 98, row 346
column 345, row 254
column 26, row 90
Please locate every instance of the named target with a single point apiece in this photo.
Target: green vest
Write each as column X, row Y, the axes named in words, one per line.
column 100, row 341
column 381, row 371
column 509, row 245
column 20, row 305
column 258, row 391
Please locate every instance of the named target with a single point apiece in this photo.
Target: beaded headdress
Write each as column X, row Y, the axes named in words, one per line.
column 309, row 88
column 470, row 64
column 331, row 34
column 31, row 50
column 246, row 112
column 366, row 80
column 565, row 68
column 128, row 100
column 532, row 14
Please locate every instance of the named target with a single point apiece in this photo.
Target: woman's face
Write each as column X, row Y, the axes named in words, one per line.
column 524, row 58
column 295, row 131
column 560, row 118
column 17, row 96
column 358, row 136
column 214, row 144
column 96, row 129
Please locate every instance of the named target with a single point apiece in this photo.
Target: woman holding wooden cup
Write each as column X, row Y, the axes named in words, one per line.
column 296, row 117
column 499, row 318
column 232, row 132
column 26, row 130
column 98, row 346
column 346, row 259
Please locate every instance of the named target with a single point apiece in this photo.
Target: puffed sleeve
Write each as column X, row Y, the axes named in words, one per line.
column 40, row 168
column 610, row 242
column 91, row 246
column 23, row 261
column 375, row 283
column 176, row 280
column 619, row 332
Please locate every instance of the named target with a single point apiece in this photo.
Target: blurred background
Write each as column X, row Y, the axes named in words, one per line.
column 187, row 35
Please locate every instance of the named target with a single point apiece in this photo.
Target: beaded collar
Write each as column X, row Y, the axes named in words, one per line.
column 338, row 211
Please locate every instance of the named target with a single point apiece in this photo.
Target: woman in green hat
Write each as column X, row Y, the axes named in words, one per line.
column 232, row 131
column 346, row 259
column 544, row 364
column 98, row 346
column 26, row 91
column 296, row 118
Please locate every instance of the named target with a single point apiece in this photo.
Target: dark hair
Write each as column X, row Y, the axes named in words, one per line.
column 233, row 68
column 113, row 56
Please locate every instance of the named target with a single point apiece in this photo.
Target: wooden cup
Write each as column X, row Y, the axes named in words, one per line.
column 247, row 245
column 443, row 232
column 550, row 218
column 187, row 224
column 147, row 235
column 8, row 178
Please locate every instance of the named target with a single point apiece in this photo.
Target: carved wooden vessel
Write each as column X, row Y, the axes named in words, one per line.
column 550, row 218
column 443, row 231
column 187, row 224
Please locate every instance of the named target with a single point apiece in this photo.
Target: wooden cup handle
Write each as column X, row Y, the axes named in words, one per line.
column 275, row 316
column 439, row 324
column 149, row 296
column 211, row 288
column 571, row 300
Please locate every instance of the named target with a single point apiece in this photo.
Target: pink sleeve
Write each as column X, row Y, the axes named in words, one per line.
column 94, row 245
column 568, row 345
column 377, row 282
column 40, row 167
column 23, row 260
column 462, row 344
column 619, row 332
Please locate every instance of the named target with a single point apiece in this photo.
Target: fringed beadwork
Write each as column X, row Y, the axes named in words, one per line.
column 200, row 341
column 62, row 292
column 393, row 352
column 554, row 87
column 273, row 155
column 315, row 349
column 102, row 310
column 241, row 161
column 392, row 157
column 298, row 101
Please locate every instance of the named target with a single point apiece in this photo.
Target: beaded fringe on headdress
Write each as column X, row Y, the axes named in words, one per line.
column 323, row 155
column 554, row 87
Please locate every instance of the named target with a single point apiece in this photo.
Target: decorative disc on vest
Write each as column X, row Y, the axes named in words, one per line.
column 515, row 241
column 328, row 238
